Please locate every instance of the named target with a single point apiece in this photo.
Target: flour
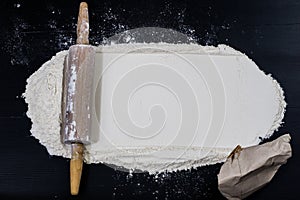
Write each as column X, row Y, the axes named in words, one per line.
column 163, row 106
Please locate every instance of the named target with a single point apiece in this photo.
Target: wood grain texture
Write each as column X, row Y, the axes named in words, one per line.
column 76, row 105
column 83, row 24
column 77, row 93
column 76, row 165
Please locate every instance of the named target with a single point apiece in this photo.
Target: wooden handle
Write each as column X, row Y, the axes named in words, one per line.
column 76, row 164
column 83, row 24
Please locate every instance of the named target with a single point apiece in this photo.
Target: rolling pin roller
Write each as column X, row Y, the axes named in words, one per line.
column 77, row 97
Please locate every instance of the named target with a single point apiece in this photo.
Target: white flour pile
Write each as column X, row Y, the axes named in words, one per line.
column 162, row 106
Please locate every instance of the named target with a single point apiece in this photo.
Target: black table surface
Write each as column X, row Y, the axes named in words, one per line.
column 33, row 31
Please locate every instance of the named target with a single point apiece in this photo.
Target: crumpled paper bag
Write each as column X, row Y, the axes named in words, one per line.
column 251, row 168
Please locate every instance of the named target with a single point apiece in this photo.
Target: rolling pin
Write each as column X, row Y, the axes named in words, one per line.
column 77, row 97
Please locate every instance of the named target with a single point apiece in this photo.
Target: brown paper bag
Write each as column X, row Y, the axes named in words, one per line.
column 251, row 168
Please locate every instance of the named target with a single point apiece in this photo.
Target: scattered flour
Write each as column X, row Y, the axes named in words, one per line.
column 163, row 106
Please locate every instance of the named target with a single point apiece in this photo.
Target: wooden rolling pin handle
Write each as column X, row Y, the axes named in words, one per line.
column 76, row 164
column 83, row 24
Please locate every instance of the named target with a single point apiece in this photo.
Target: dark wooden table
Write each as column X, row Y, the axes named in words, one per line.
column 31, row 32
